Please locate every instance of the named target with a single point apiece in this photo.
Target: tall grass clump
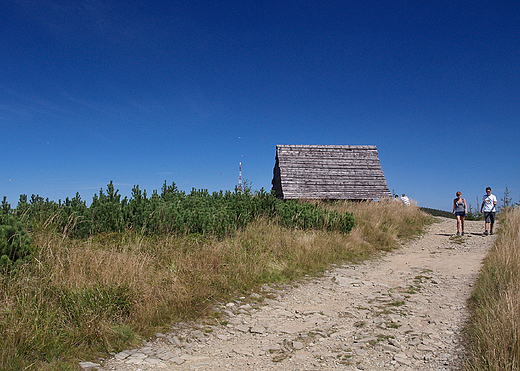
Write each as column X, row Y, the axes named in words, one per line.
column 81, row 298
column 382, row 225
column 493, row 329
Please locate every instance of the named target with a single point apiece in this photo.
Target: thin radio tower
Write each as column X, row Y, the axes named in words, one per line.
column 240, row 176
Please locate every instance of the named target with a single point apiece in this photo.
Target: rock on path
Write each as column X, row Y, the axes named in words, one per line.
column 402, row 311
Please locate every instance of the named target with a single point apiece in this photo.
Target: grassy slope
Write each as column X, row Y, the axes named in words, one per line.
column 80, row 299
column 493, row 330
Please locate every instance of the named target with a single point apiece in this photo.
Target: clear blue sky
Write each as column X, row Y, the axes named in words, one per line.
column 140, row 92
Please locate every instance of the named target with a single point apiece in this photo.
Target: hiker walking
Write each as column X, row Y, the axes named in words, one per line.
column 489, row 205
column 460, row 209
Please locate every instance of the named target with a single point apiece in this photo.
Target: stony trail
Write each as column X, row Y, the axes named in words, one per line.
column 401, row 311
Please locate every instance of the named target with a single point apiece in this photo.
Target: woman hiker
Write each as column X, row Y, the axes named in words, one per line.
column 460, row 209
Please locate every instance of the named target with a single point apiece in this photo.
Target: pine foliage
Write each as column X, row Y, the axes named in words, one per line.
column 172, row 211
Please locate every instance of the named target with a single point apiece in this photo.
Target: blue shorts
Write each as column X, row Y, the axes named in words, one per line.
column 490, row 217
column 462, row 214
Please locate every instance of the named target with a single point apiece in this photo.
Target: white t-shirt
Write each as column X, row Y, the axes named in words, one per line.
column 405, row 200
column 489, row 202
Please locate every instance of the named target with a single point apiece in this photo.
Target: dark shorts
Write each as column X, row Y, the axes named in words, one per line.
column 490, row 217
column 462, row 214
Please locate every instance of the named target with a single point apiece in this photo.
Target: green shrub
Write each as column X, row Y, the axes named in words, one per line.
column 15, row 243
column 311, row 216
column 219, row 214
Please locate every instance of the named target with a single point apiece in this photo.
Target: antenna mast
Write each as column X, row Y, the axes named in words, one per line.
column 240, row 188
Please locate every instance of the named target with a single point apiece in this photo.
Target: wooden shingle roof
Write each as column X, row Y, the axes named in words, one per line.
column 328, row 172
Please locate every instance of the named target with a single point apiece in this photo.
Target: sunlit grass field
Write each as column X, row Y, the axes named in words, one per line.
column 80, row 299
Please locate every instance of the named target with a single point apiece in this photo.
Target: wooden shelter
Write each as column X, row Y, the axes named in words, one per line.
column 329, row 172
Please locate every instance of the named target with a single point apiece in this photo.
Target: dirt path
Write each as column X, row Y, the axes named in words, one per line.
column 401, row 312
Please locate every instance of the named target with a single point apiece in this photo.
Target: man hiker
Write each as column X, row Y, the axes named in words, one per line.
column 489, row 205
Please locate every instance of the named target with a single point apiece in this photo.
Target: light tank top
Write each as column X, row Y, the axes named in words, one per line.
column 459, row 206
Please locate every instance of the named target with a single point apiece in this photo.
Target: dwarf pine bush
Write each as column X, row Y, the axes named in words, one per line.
column 15, row 243
column 172, row 211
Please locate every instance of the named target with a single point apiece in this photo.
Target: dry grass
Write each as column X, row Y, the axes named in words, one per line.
column 493, row 331
column 80, row 299
column 384, row 224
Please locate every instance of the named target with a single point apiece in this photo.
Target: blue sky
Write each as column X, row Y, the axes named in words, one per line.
column 140, row 92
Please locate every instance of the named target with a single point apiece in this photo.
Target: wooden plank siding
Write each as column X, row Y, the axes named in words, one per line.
column 328, row 172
